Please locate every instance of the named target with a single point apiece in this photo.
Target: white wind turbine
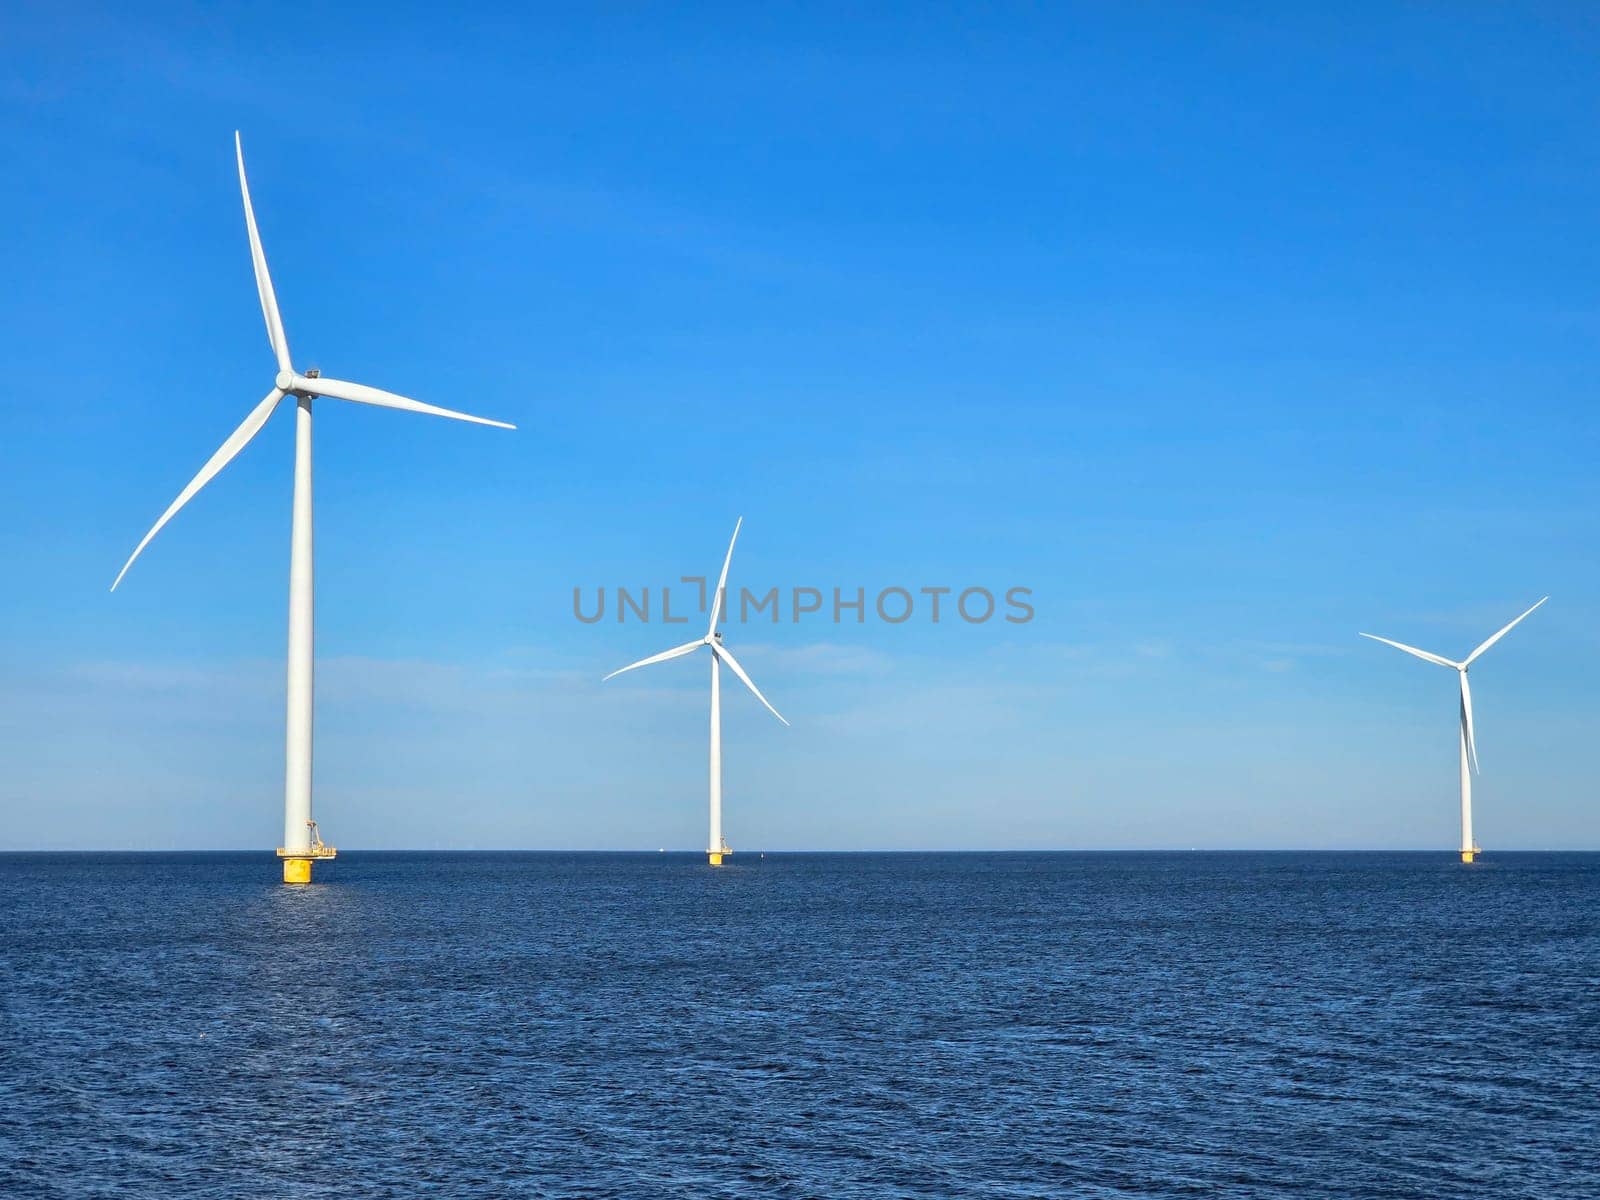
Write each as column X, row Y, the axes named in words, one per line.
column 715, row 846
column 301, row 843
column 1469, row 744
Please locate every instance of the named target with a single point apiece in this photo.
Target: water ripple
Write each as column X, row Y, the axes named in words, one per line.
column 801, row 1026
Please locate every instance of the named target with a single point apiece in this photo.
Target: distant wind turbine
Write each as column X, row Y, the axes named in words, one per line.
column 1469, row 743
column 716, row 848
column 301, row 842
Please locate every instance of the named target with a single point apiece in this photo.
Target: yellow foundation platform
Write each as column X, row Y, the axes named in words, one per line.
column 1468, row 855
column 297, row 870
column 714, row 858
column 297, row 863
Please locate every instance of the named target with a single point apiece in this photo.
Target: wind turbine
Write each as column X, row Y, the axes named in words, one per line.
column 301, row 841
column 1469, row 745
column 715, row 846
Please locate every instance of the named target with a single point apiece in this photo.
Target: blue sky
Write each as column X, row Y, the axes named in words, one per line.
column 1229, row 334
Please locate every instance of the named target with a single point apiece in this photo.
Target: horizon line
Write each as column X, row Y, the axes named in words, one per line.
column 870, row 850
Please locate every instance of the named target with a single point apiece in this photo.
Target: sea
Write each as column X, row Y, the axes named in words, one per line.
column 801, row 1025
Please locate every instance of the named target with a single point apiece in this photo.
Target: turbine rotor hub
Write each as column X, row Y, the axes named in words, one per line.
column 284, row 381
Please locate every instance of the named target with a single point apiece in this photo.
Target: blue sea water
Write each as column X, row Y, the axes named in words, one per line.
column 861, row 1025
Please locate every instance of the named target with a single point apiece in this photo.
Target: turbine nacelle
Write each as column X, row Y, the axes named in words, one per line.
column 293, row 384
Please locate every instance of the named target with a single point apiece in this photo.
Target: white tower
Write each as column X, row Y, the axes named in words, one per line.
column 302, row 844
column 716, row 847
column 1469, row 745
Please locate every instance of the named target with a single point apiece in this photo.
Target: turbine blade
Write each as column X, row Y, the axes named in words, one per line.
column 1433, row 658
column 224, row 455
column 675, row 652
column 1500, row 635
column 269, row 299
column 1466, row 721
column 723, row 653
column 360, row 393
column 722, row 582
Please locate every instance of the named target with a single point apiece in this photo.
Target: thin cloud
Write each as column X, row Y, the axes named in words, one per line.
column 820, row 658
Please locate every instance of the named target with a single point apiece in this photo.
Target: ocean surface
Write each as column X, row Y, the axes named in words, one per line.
column 828, row 1025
